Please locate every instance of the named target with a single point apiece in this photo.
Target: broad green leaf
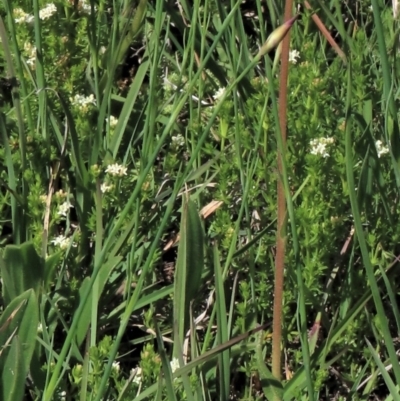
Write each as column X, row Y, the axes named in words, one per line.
column 189, row 266
column 272, row 387
column 50, row 268
column 14, row 373
column 102, row 278
column 21, row 269
column 21, row 318
column 84, row 320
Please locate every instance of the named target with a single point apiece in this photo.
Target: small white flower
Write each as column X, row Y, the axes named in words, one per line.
column 83, row 101
column 63, row 395
column 105, row 188
column 138, row 375
column 319, row 146
column 29, row 19
column 20, row 15
column 219, row 93
column 63, row 209
column 113, row 121
column 40, row 328
column 31, row 51
column 293, row 56
column 102, row 50
column 178, row 141
column 380, row 148
column 174, row 365
column 115, row 366
column 31, row 62
column 61, row 241
column 116, row 170
column 85, row 6
column 47, row 11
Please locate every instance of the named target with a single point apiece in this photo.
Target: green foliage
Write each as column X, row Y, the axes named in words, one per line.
column 126, row 121
column 19, row 324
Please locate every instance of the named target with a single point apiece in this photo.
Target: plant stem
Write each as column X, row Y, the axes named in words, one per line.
column 281, row 214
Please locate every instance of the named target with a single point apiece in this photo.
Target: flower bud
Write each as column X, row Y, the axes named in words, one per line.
column 277, row 36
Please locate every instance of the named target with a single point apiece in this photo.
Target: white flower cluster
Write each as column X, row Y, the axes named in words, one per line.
column 219, row 93
column 174, row 365
column 116, row 367
column 85, row 6
column 178, row 141
column 47, row 11
column 293, row 56
column 63, row 242
column 64, row 209
column 113, row 121
column 83, row 101
column 319, row 146
column 105, row 188
column 31, row 51
column 116, row 170
column 21, row 16
column 381, row 148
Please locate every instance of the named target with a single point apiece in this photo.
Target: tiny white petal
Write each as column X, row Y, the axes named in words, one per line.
column 64, row 209
column 116, row 170
column 293, row 56
column 174, row 365
column 381, row 148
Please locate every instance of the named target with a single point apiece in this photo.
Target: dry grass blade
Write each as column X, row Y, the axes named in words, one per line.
column 9, row 339
column 11, row 317
column 326, row 33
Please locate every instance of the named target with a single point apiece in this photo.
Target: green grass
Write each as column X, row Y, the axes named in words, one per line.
column 120, row 124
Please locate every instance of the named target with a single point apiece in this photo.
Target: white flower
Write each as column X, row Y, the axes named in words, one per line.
column 116, row 170
column 219, row 93
column 31, row 51
column 83, row 101
column 105, row 188
column 319, row 146
column 40, row 328
column 31, row 62
column 48, row 11
column 86, row 7
column 293, row 56
column 138, row 375
column 64, row 209
column 113, row 121
column 115, row 366
column 61, row 241
column 174, row 365
column 20, row 15
column 380, row 148
column 178, row 141
column 102, row 50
